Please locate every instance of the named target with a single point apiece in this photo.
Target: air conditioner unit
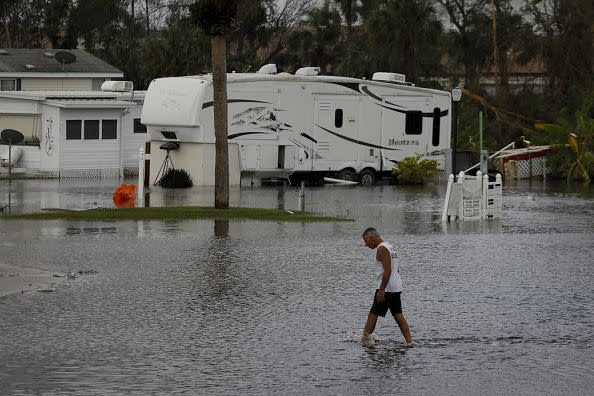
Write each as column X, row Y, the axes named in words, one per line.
column 117, row 86
column 389, row 77
column 308, row 71
column 267, row 69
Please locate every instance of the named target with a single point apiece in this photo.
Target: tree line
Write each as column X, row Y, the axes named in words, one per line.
column 435, row 43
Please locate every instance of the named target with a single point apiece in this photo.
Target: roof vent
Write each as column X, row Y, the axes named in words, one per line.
column 3, row 52
column 268, row 69
column 30, row 66
column 389, row 77
column 117, row 86
column 308, row 71
column 49, row 54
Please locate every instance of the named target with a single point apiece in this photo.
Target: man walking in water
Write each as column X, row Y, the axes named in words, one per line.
column 388, row 286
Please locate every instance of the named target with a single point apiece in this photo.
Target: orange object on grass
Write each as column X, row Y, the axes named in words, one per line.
column 124, row 196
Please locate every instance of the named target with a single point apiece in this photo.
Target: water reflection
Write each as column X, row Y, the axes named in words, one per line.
column 228, row 307
column 221, row 228
column 385, row 354
column 90, row 231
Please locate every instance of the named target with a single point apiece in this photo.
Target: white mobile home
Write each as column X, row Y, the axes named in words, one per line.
column 302, row 125
column 74, row 133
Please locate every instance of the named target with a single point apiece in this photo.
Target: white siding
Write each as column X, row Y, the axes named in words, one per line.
column 56, row 84
column 89, row 154
column 202, row 171
column 132, row 141
column 19, row 106
column 50, row 138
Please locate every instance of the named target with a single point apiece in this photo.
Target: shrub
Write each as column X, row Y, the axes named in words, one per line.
column 414, row 170
column 176, row 178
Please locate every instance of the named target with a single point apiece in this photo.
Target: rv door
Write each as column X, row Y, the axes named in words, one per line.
column 336, row 119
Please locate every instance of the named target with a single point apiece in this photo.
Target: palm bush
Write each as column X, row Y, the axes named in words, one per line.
column 414, row 170
column 176, row 178
column 572, row 142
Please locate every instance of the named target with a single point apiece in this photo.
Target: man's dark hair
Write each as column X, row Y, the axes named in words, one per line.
column 370, row 232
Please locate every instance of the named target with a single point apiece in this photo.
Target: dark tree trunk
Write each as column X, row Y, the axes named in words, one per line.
column 219, row 81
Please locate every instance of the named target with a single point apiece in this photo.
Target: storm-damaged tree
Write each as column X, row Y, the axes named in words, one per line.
column 218, row 19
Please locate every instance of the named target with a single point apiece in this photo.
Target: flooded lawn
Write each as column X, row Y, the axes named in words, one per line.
column 209, row 307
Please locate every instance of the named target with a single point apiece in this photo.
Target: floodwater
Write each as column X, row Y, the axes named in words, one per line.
column 203, row 307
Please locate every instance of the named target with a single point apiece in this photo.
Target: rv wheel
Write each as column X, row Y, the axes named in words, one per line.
column 367, row 177
column 346, row 174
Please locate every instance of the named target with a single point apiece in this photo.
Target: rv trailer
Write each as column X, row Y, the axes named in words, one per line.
column 303, row 125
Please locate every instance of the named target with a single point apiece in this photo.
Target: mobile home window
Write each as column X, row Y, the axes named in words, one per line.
column 138, row 126
column 436, row 124
column 414, row 122
column 73, row 129
column 91, row 129
column 338, row 118
column 8, row 85
column 109, row 129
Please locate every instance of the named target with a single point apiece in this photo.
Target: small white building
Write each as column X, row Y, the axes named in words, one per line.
column 74, row 133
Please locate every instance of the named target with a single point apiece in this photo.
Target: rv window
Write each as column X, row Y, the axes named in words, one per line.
column 338, row 118
column 436, row 124
column 109, row 129
column 138, row 126
column 73, row 128
column 91, row 129
column 414, row 122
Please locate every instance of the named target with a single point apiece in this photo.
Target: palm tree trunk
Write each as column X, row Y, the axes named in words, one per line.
column 6, row 31
column 147, row 20
column 219, row 82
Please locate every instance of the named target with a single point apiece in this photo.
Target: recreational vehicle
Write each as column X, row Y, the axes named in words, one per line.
column 303, row 125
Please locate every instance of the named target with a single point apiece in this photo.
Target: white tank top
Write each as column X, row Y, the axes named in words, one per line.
column 394, row 283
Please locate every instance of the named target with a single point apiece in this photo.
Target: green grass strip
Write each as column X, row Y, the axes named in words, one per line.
column 177, row 213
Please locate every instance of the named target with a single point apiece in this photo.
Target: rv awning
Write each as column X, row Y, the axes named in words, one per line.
column 90, row 104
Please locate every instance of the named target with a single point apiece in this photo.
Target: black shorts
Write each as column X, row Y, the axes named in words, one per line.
column 391, row 301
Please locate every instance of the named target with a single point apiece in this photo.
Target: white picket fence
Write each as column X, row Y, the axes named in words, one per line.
column 472, row 198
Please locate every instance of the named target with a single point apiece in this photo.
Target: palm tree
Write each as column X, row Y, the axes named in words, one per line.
column 400, row 31
column 217, row 19
column 317, row 41
column 349, row 10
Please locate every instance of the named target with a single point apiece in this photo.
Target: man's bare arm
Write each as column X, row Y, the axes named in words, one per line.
column 383, row 256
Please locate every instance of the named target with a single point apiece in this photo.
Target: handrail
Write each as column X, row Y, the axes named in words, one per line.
column 513, row 144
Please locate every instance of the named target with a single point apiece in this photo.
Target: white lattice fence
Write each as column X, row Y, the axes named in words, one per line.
column 524, row 169
column 36, row 173
column 89, row 173
column 131, row 171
